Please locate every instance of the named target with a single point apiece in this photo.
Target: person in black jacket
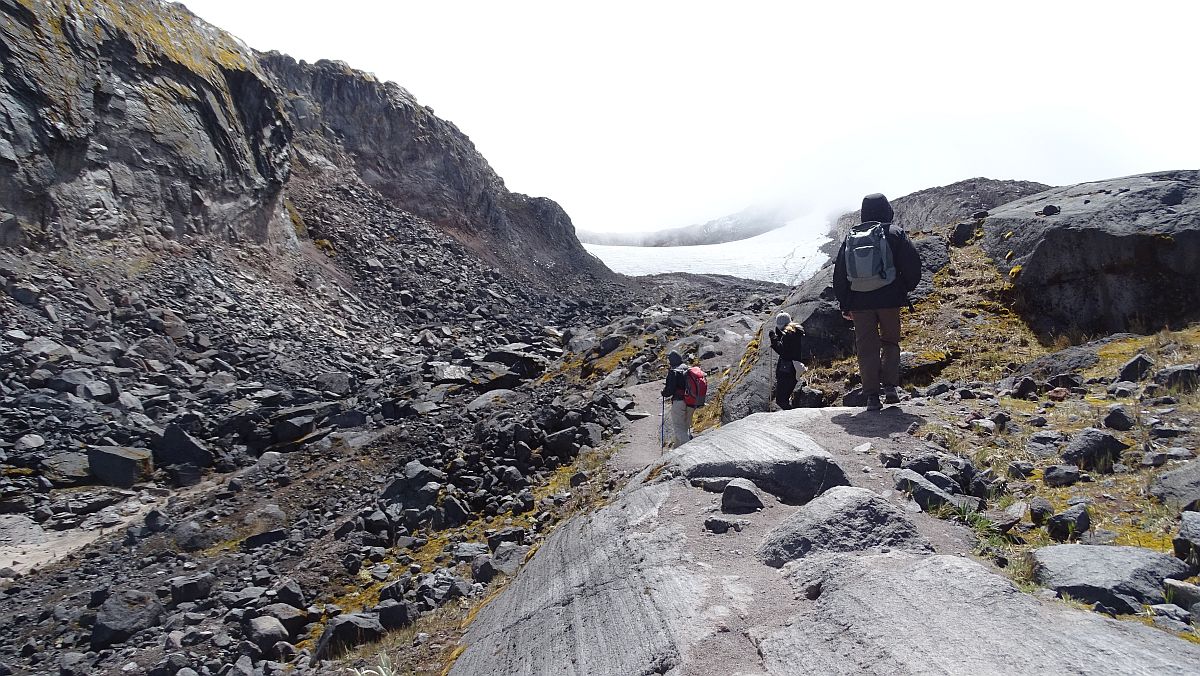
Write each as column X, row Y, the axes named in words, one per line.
column 876, row 314
column 786, row 340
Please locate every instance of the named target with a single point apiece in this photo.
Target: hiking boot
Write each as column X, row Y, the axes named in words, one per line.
column 891, row 395
column 873, row 403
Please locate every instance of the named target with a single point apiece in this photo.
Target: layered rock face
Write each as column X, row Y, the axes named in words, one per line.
column 137, row 117
column 349, row 119
column 1106, row 256
column 124, row 116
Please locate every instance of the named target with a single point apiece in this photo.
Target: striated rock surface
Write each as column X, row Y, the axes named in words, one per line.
column 904, row 614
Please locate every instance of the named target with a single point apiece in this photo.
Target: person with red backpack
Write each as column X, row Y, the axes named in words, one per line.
column 687, row 388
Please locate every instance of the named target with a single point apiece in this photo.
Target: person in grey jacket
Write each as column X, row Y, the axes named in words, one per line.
column 876, row 314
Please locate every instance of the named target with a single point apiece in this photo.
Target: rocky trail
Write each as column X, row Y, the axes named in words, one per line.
column 681, row 574
column 290, row 378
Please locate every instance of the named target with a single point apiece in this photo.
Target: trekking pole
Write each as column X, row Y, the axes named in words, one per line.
column 663, row 424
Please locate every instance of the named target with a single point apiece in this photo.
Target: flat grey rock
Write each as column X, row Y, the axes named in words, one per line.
column 843, row 519
column 1120, row 578
column 778, row 459
column 1179, row 487
column 900, row 613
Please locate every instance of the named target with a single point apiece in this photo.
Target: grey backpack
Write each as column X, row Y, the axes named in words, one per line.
column 869, row 263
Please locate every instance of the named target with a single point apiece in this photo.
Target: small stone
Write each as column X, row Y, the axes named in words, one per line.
column 741, row 495
column 1072, row 523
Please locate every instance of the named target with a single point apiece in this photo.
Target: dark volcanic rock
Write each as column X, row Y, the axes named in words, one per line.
column 429, row 167
column 212, row 122
column 347, row 631
column 1120, row 251
column 119, row 465
column 1094, row 449
column 1179, row 487
column 177, row 447
column 1119, row 578
column 123, row 615
column 1071, row 524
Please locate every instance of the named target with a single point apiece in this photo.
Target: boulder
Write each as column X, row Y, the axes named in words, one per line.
column 1183, row 378
column 344, row 632
column 1135, row 369
column 1121, row 579
column 67, row 469
column 1187, row 540
column 1119, row 249
column 1094, row 449
column 776, row 457
column 1118, row 418
column 842, row 519
column 929, row 496
column 412, row 478
column 1061, row 475
column 124, row 614
column 121, row 465
column 191, row 588
column 395, row 614
column 265, row 631
column 740, row 496
column 1072, row 523
column 177, row 447
column 1179, row 488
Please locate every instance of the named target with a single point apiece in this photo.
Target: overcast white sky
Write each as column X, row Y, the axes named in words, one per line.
column 645, row 115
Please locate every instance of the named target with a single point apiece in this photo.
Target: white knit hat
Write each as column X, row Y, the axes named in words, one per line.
column 782, row 319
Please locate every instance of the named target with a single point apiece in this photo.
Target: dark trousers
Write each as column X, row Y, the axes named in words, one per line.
column 785, row 382
column 877, row 341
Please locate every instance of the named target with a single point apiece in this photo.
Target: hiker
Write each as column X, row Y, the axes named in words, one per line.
column 875, row 270
column 686, row 387
column 786, row 339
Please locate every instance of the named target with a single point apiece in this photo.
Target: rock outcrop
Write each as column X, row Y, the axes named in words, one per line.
column 626, row 590
column 132, row 117
column 348, row 119
column 904, row 614
column 1105, row 256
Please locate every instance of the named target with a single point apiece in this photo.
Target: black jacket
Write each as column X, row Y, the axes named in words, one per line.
column 787, row 345
column 908, row 275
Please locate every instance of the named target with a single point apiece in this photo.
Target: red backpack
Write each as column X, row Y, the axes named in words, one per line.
column 695, row 387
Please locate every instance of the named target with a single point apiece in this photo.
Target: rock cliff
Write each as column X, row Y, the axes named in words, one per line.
column 131, row 116
column 137, row 117
column 348, row 120
column 1106, row 256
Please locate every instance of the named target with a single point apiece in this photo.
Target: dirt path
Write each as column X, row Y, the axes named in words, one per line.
column 638, row 444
